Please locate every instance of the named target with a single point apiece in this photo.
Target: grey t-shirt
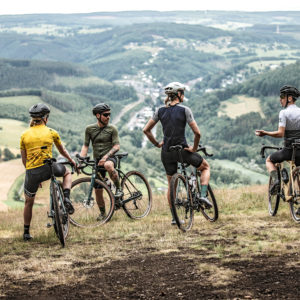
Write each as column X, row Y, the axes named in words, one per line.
column 290, row 119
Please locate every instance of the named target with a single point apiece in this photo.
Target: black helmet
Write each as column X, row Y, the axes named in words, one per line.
column 289, row 90
column 39, row 110
column 100, row 108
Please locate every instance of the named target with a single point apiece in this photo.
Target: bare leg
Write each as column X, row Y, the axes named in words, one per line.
column 29, row 201
column 113, row 174
column 270, row 166
column 168, row 193
column 67, row 180
column 99, row 198
column 205, row 172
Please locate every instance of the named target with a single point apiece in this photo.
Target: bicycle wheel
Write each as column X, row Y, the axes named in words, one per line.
column 181, row 203
column 136, row 187
column 295, row 201
column 58, row 213
column 211, row 214
column 88, row 212
column 273, row 198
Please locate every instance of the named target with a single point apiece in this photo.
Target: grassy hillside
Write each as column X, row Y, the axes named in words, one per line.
column 214, row 259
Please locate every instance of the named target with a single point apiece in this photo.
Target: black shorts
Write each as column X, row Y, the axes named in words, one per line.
column 102, row 171
column 37, row 175
column 283, row 155
column 170, row 160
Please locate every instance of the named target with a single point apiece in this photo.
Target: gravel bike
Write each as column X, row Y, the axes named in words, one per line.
column 289, row 184
column 136, row 200
column 185, row 190
column 58, row 212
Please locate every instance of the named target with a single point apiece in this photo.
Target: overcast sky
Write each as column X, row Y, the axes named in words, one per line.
column 85, row 6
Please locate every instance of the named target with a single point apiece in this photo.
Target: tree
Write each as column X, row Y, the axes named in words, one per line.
column 8, row 155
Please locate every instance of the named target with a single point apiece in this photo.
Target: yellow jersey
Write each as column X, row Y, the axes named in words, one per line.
column 37, row 141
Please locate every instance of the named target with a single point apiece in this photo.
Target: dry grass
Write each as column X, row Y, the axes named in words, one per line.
column 244, row 230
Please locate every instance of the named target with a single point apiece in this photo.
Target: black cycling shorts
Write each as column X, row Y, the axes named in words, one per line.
column 170, row 160
column 283, row 155
column 102, row 171
column 37, row 175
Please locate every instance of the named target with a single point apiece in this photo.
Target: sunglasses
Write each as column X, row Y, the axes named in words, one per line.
column 106, row 115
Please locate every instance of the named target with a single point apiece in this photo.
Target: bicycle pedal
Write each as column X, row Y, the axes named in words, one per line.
column 48, row 225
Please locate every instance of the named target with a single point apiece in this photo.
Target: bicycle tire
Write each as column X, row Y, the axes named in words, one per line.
column 273, row 200
column 295, row 201
column 87, row 211
column 210, row 214
column 58, row 224
column 134, row 183
column 181, row 203
column 66, row 220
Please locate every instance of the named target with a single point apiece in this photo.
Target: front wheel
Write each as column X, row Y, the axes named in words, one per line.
column 181, row 202
column 93, row 207
column 137, row 197
column 273, row 197
column 59, row 215
column 295, row 201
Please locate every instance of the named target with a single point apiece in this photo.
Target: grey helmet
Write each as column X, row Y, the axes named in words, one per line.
column 290, row 91
column 100, row 108
column 39, row 110
column 174, row 88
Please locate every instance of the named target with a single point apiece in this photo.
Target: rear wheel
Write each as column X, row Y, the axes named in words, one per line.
column 58, row 213
column 136, row 187
column 181, row 202
column 295, row 201
column 89, row 213
column 273, row 197
column 211, row 214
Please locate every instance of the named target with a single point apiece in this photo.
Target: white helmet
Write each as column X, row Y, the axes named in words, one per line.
column 174, row 87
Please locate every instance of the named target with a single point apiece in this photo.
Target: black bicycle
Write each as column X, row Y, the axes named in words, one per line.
column 58, row 212
column 185, row 193
column 136, row 200
column 289, row 184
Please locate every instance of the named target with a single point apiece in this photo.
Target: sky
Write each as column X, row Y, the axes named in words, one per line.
column 86, row 6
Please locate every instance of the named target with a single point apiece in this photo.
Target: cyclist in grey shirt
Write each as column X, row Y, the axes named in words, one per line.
column 288, row 127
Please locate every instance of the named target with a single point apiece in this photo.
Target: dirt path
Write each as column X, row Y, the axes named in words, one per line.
column 10, row 171
column 128, row 108
column 175, row 276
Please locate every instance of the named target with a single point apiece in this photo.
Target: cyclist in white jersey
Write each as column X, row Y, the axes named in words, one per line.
column 289, row 128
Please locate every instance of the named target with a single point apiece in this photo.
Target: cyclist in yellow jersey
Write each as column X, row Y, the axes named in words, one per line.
column 36, row 146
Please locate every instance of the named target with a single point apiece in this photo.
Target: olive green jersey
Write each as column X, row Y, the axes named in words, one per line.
column 102, row 138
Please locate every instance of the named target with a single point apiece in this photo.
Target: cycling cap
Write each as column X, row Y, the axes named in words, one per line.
column 100, row 108
column 39, row 110
column 174, row 87
column 289, row 90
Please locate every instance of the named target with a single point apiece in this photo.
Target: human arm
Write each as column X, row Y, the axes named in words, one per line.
column 84, row 151
column 197, row 136
column 110, row 153
column 276, row 134
column 64, row 152
column 147, row 131
column 23, row 156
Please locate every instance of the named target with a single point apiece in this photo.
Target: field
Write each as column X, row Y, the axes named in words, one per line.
column 246, row 254
column 10, row 133
column 240, row 105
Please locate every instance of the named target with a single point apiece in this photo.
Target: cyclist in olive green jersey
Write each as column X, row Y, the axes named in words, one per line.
column 105, row 142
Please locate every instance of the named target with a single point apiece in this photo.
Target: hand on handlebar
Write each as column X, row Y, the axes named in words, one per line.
column 160, row 144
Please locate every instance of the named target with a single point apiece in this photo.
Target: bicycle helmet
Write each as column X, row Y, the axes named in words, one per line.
column 174, row 88
column 39, row 110
column 100, row 108
column 290, row 90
